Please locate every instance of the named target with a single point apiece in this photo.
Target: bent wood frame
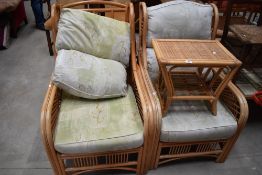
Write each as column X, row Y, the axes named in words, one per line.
column 231, row 97
column 87, row 162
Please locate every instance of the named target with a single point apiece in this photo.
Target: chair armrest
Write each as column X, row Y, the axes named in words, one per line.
column 215, row 21
column 236, row 103
column 152, row 95
column 49, row 113
column 52, row 23
column 48, row 24
column 146, row 99
column 143, row 27
column 150, row 114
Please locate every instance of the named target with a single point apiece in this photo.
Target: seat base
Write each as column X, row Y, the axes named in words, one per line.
column 174, row 151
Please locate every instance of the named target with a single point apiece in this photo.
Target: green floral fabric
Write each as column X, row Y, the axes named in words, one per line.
column 86, row 126
column 87, row 76
column 94, row 34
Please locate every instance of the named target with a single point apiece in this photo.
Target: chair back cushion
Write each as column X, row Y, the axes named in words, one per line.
column 89, row 77
column 94, row 34
column 179, row 20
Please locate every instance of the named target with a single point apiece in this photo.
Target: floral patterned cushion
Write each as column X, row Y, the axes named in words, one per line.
column 87, row 76
column 86, row 126
column 96, row 35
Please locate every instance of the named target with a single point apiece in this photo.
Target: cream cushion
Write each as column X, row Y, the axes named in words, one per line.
column 180, row 20
column 188, row 121
column 87, row 76
column 96, row 35
column 152, row 65
column 87, row 126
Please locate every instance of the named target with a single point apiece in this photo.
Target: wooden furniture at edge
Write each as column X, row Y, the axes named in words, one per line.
column 193, row 85
column 247, row 34
column 121, row 160
column 240, row 14
column 14, row 10
column 231, row 97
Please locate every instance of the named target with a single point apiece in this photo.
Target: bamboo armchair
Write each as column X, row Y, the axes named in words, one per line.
column 132, row 159
column 231, row 97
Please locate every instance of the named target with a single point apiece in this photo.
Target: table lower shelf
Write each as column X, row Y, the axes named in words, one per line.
column 188, row 86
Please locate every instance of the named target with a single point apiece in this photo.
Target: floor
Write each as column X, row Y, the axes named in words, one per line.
column 25, row 70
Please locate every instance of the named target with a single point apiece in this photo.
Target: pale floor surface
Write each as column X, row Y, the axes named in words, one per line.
column 25, row 70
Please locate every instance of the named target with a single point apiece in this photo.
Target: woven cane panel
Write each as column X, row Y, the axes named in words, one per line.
column 193, row 52
column 230, row 101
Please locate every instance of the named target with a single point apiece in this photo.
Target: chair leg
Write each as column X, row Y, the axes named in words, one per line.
column 157, row 156
column 62, row 167
column 226, row 150
column 49, row 42
column 140, row 166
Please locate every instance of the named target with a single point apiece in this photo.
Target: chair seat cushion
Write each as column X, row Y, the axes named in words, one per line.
column 88, row 126
column 96, row 35
column 87, row 76
column 179, row 20
column 188, row 121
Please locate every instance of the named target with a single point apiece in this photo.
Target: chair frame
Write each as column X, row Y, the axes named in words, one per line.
column 88, row 162
column 231, row 97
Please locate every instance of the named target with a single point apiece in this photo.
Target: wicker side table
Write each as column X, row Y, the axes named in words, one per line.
column 203, row 58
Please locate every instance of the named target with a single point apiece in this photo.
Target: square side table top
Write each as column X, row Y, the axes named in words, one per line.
column 184, row 52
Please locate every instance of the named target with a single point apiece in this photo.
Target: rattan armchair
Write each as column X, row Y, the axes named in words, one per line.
column 166, row 147
column 133, row 159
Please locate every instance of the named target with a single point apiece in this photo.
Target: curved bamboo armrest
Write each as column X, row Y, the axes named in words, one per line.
column 236, row 103
column 143, row 27
column 148, row 99
column 215, row 21
column 142, row 63
column 48, row 24
column 49, row 113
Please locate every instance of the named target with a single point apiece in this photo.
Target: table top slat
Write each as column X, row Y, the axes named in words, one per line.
column 195, row 52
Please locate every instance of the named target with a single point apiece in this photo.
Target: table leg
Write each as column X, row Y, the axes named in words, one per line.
column 170, row 90
column 213, row 107
column 223, row 84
